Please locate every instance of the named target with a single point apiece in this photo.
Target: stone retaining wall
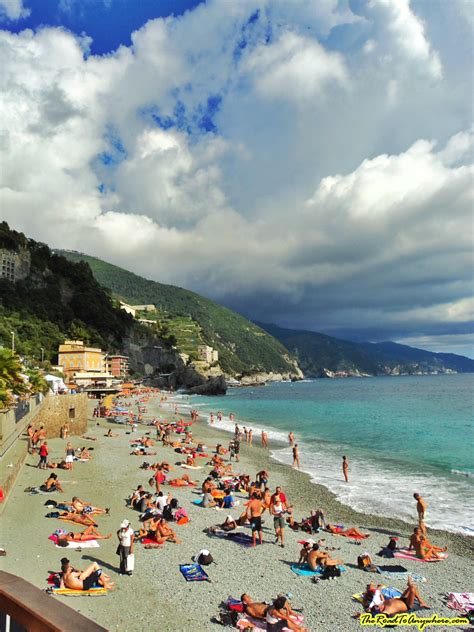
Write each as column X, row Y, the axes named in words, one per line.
column 52, row 413
column 57, row 409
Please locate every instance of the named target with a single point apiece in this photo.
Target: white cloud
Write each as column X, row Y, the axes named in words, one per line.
column 401, row 36
column 316, row 176
column 13, row 9
column 295, row 68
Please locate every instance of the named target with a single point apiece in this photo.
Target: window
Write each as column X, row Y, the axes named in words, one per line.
column 72, row 413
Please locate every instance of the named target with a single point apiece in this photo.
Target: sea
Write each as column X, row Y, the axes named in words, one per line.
column 401, row 434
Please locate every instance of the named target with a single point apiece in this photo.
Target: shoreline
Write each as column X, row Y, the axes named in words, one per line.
column 463, row 543
column 157, row 595
column 382, row 483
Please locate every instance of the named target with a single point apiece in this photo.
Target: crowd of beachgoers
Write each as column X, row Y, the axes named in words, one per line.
column 185, row 482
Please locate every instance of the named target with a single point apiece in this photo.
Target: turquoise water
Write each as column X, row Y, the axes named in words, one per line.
column 401, row 435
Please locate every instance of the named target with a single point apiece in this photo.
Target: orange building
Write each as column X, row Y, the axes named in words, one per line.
column 74, row 357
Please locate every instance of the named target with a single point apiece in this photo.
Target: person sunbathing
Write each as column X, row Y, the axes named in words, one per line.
column 83, row 580
column 165, row 532
column 304, row 552
column 61, row 465
column 183, row 481
column 190, row 461
column 110, row 433
column 142, row 452
column 52, row 484
column 417, row 534
column 88, row 533
column 280, row 615
column 348, row 533
column 316, row 558
column 279, row 610
column 208, row 486
column 404, row 603
column 150, row 529
column 424, row 550
column 82, row 507
column 83, row 519
column 85, row 454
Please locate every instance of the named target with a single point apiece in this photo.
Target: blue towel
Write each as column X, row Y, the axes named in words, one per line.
column 193, row 572
column 305, row 570
column 198, row 501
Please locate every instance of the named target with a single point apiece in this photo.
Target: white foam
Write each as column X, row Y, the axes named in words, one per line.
column 381, row 490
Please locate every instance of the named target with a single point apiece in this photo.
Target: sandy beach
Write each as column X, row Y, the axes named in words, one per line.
column 156, row 596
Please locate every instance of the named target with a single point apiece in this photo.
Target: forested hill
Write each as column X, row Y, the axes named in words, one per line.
column 318, row 353
column 57, row 300
column 244, row 348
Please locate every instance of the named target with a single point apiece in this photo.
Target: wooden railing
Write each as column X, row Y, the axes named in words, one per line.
column 23, row 604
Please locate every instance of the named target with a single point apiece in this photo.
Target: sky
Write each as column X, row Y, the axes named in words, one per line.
column 306, row 163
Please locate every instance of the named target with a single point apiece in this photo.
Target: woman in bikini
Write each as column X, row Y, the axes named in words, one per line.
column 348, row 533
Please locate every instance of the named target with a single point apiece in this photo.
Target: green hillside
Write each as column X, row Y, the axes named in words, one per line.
column 316, row 352
column 244, row 348
column 59, row 299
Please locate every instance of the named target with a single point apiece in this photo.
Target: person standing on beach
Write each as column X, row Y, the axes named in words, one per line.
column 264, row 439
column 277, row 510
column 291, row 438
column 126, row 539
column 254, row 512
column 421, row 507
column 250, row 437
column 296, row 456
column 345, row 468
column 211, row 418
column 246, row 433
column 69, row 456
column 43, row 453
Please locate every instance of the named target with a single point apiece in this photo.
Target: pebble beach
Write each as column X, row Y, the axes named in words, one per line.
column 157, row 597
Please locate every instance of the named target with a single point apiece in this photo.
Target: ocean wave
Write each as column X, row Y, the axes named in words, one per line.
column 382, row 490
column 466, row 473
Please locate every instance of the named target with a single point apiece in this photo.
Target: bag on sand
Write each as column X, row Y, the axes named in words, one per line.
column 364, row 562
column 204, row 558
column 330, row 572
column 130, row 562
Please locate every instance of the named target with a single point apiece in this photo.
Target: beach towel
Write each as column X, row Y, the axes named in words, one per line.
column 193, row 573
column 247, row 621
column 151, row 541
column 190, row 467
column 85, row 544
column 197, row 502
column 244, row 539
column 53, row 587
column 405, row 554
column 178, row 485
column 399, row 572
column 304, row 569
column 69, row 592
column 54, row 538
column 462, row 602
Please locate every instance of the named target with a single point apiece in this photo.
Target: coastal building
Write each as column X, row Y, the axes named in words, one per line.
column 77, row 359
column 14, row 265
column 207, row 354
column 117, row 365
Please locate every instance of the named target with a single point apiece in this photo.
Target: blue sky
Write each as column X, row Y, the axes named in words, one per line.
column 304, row 162
column 108, row 22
